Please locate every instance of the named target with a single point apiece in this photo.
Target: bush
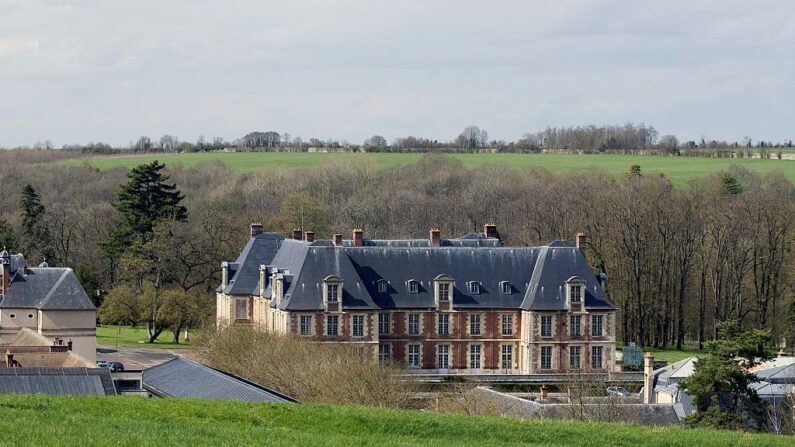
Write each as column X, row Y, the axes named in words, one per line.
column 305, row 370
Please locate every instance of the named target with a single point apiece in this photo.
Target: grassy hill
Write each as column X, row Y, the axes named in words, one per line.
column 678, row 169
column 56, row 421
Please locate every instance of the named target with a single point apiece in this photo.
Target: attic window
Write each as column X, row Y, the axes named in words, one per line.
column 12, row 316
column 332, row 288
column 576, row 293
column 474, row 287
column 414, row 286
column 505, row 287
column 30, row 316
column 382, row 286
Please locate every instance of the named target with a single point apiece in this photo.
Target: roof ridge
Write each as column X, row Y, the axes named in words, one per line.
column 55, row 287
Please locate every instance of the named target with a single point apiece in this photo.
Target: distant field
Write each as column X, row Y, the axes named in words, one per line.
column 671, row 355
column 136, row 338
column 101, row 421
column 678, row 169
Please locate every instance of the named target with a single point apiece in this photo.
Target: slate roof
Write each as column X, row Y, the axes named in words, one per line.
column 46, row 288
column 537, row 275
column 67, row 381
column 779, row 375
column 673, row 373
column 244, row 273
column 183, row 378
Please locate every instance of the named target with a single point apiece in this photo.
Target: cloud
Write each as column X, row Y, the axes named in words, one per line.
column 112, row 71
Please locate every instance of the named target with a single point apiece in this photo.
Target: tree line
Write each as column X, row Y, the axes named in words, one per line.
column 678, row 260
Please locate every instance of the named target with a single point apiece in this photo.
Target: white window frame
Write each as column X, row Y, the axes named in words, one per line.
column 382, row 286
column 354, row 325
column 384, row 324
column 578, row 319
column 541, row 357
column 506, row 356
column 572, row 350
column 447, row 324
column 336, row 325
column 506, row 324
column 594, row 326
column 418, row 354
column 385, row 355
column 551, row 325
column 475, row 356
column 443, row 356
column 506, row 288
column 474, row 288
column 301, row 320
column 601, row 356
column 418, row 324
column 413, row 286
column 472, row 323
column 332, row 283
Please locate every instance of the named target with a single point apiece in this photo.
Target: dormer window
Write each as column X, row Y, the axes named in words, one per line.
column 474, row 288
column 444, row 288
column 575, row 290
column 332, row 289
column 505, row 287
column 444, row 291
column 382, row 284
column 576, row 293
column 414, row 286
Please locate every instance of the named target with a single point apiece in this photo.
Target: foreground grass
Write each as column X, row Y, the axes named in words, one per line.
column 86, row 421
column 678, row 169
column 135, row 337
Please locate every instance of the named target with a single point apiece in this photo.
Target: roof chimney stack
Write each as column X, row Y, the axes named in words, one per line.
column 256, row 229
column 337, row 239
column 435, row 237
column 309, row 236
column 358, row 237
column 582, row 242
column 490, row 230
column 5, row 265
column 298, row 234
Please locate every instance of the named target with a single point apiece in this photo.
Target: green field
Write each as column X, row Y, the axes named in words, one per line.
column 135, row 337
column 678, row 169
column 87, row 421
column 671, row 355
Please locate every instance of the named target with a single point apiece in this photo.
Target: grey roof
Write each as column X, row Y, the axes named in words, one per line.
column 673, row 373
column 184, row 378
column 771, row 390
column 53, row 288
column 779, row 375
column 69, row 381
column 244, row 273
column 537, row 275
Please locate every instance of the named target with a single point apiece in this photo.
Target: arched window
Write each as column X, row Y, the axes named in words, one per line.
column 332, row 289
column 505, row 287
column 414, row 286
column 443, row 286
column 382, row 286
column 474, row 287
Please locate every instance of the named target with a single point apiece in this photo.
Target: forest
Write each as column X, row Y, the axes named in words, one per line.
column 679, row 260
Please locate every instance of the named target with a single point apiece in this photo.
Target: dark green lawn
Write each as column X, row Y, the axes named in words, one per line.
column 136, row 337
column 136, row 421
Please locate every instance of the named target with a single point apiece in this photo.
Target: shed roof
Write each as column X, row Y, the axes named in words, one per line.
column 67, row 381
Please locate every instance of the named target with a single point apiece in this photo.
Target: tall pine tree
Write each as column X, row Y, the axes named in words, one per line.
column 143, row 201
column 35, row 238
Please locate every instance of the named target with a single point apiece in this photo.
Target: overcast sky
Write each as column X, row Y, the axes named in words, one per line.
column 74, row 72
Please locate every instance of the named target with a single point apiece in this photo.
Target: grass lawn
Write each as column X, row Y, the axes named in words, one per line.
column 86, row 421
column 135, row 337
column 678, row 169
column 671, row 355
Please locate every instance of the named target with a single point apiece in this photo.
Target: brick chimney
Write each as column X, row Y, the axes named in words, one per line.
column 490, row 230
column 582, row 242
column 297, row 234
column 358, row 237
column 309, row 236
column 435, row 237
column 648, row 378
column 336, row 238
column 256, row 229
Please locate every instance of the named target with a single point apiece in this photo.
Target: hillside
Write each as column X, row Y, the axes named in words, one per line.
column 55, row 421
column 678, row 169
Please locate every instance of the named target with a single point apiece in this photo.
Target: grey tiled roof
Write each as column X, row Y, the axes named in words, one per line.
column 778, row 375
column 51, row 288
column 244, row 273
column 69, row 381
column 537, row 275
column 180, row 377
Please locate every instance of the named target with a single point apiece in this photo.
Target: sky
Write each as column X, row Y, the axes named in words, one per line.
column 87, row 71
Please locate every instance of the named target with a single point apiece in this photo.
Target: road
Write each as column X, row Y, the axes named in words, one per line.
column 138, row 358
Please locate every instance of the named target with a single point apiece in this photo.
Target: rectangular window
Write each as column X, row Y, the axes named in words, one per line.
column 575, row 329
column 357, row 325
column 596, row 357
column 306, row 325
column 574, row 357
column 414, row 324
column 414, row 356
column 414, row 287
column 596, row 325
column 332, row 293
column 332, row 325
column 576, row 293
column 507, row 356
column 241, row 309
column 444, row 291
column 474, row 324
column 443, row 361
column 384, row 353
column 381, row 286
column 474, row 356
column 474, row 288
column 506, row 288
column 507, row 325
column 383, row 324
column 444, row 324
column 546, row 357
column 546, row 325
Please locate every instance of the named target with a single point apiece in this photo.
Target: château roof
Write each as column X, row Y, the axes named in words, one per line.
column 51, row 288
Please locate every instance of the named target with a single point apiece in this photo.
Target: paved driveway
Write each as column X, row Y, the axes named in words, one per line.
column 138, row 358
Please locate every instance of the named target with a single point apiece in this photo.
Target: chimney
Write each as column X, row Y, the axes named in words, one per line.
column 648, row 378
column 256, row 229
column 337, row 239
column 297, row 234
column 582, row 242
column 602, row 279
column 358, row 237
column 309, row 236
column 6, row 267
column 436, row 237
column 490, row 230
column 224, row 274
column 69, row 344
